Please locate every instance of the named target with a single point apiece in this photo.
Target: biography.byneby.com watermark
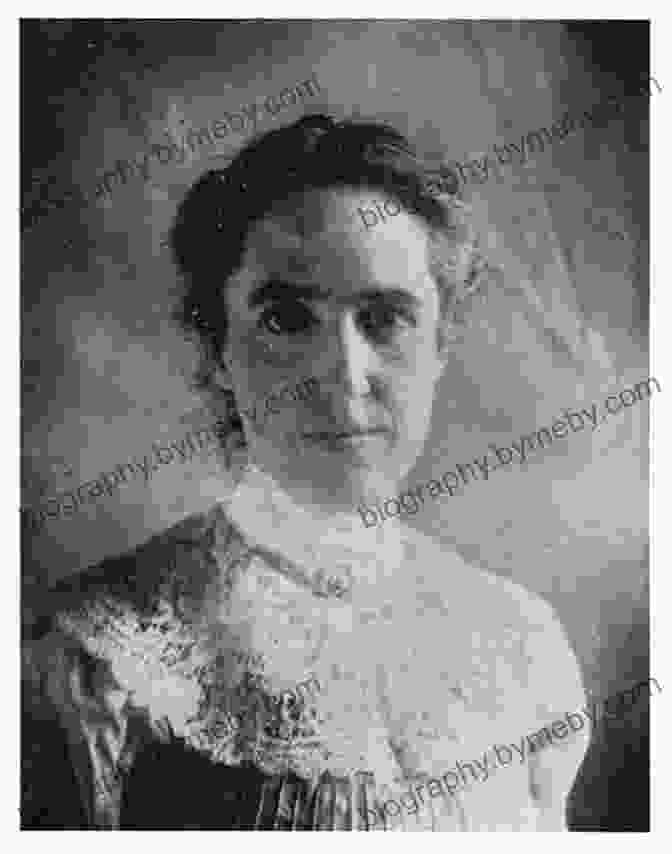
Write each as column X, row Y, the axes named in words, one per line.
column 501, row 755
column 410, row 501
column 244, row 119
column 219, row 436
column 446, row 179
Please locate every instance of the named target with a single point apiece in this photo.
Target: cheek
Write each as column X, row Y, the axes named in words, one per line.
column 251, row 374
column 278, row 411
column 282, row 417
column 246, row 349
column 414, row 384
column 412, row 401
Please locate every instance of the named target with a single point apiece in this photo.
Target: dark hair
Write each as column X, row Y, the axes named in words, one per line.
column 213, row 220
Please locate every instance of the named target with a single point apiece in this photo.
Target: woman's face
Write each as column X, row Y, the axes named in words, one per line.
column 321, row 296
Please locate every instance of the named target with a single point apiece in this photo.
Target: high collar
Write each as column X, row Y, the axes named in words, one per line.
column 339, row 545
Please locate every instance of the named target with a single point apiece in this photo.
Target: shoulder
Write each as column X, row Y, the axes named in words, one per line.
column 481, row 610
column 142, row 601
column 121, row 623
column 471, row 590
column 132, row 581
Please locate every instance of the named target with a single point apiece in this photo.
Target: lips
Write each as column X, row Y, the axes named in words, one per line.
column 358, row 444
column 345, row 435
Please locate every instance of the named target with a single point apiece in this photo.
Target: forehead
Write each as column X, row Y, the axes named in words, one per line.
column 320, row 238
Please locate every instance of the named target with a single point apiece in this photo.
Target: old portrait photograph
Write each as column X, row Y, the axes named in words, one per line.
column 335, row 400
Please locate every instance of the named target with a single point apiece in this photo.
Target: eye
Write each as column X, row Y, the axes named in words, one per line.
column 287, row 318
column 385, row 319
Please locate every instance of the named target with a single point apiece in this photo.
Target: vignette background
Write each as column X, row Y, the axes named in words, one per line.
column 104, row 371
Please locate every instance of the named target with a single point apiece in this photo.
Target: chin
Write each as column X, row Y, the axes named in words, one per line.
column 336, row 482
column 344, row 494
column 344, row 489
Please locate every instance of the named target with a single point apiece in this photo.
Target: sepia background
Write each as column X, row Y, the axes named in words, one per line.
column 106, row 373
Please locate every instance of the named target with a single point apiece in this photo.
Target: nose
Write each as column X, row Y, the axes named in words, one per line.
column 354, row 362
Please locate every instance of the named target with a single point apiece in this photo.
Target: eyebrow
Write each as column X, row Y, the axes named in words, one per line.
column 400, row 296
column 278, row 289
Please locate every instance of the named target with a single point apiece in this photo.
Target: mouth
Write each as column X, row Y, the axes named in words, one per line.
column 357, row 440
column 345, row 436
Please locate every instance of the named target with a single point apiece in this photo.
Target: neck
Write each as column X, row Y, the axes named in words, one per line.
column 327, row 504
column 314, row 537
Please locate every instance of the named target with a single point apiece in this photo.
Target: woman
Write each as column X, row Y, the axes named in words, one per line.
column 276, row 664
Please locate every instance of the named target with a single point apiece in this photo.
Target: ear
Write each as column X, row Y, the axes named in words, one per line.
column 448, row 334
column 477, row 277
column 218, row 385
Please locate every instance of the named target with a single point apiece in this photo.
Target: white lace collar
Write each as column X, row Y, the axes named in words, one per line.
column 341, row 547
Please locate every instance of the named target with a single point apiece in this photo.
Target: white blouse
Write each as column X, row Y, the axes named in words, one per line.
column 257, row 635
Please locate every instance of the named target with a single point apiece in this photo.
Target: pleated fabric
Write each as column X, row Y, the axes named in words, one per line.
column 330, row 803
column 346, row 803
